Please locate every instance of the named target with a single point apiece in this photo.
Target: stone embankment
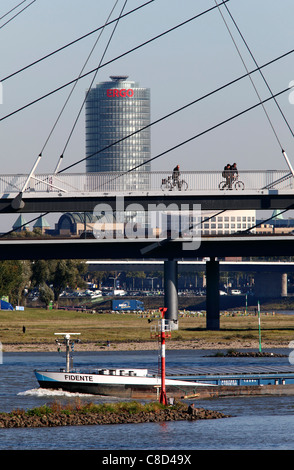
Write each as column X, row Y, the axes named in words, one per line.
column 22, row 420
column 252, row 354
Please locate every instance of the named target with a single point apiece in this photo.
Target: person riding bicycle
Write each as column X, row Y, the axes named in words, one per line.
column 234, row 173
column 227, row 174
column 231, row 176
column 230, row 173
column 176, row 176
column 174, row 182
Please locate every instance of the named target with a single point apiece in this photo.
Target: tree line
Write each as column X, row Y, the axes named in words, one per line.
column 51, row 277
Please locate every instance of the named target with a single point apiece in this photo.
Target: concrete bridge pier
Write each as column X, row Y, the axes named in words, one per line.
column 171, row 292
column 212, row 294
column 271, row 285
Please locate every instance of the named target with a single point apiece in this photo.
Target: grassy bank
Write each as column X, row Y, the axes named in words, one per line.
column 40, row 326
column 93, row 414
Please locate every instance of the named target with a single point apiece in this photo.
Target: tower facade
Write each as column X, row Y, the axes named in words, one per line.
column 114, row 110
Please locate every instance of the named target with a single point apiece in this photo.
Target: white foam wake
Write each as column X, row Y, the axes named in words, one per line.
column 42, row 392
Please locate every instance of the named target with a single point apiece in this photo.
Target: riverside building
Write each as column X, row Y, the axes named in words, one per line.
column 114, row 110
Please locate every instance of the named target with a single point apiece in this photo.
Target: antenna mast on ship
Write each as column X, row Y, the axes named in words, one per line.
column 66, row 341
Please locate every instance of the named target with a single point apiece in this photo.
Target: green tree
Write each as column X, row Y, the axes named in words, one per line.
column 58, row 274
column 11, row 282
column 41, row 271
column 46, row 294
column 98, row 277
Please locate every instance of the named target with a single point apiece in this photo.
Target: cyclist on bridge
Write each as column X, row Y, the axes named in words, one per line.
column 174, row 181
column 230, row 173
column 227, row 174
column 176, row 175
column 234, row 173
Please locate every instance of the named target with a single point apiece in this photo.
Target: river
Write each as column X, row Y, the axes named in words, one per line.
column 256, row 423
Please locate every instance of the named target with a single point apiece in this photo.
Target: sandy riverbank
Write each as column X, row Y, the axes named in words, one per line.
column 145, row 346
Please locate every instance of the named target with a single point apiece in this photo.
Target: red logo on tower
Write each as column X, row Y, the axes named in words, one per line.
column 121, row 92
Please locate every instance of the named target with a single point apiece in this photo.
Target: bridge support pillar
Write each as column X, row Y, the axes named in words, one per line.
column 270, row 285
column 212, row 294
column 284, row 291
column 171, row 292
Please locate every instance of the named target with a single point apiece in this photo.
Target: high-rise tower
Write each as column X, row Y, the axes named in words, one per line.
column 114, row 110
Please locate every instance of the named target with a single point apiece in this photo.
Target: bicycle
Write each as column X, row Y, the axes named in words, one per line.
column 235, row 184
column 169, row 184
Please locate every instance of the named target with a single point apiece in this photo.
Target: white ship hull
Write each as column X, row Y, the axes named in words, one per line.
column 128, row 383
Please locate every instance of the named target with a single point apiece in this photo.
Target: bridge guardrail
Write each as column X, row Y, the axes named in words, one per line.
column 143, row 181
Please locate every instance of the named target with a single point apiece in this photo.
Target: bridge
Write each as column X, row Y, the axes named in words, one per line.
column 145, row 249
column 81, row 192
column 74, row 192
column 118, row 192
column 192, row 266
column 168, row 251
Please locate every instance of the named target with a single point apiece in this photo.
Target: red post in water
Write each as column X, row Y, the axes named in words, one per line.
column 163, row 398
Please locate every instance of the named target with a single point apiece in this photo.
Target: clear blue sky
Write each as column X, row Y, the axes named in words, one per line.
column 178, row 68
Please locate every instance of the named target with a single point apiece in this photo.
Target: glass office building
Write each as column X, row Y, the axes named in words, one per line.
column 114, row 110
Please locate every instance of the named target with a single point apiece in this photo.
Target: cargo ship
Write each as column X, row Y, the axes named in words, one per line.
column 200, row 382
column 124, row 383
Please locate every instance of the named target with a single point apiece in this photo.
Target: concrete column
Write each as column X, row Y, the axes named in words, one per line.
column 284, row 291
column 212, row 294
column 270, row 285
column 171, row 292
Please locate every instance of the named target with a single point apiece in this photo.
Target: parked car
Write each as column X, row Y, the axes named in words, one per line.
column 221, row 292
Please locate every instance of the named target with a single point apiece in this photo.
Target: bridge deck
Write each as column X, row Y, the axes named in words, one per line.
column 92, row 249
column 152, row 200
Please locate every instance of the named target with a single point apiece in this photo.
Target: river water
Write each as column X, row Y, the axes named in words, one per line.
column 256, row 423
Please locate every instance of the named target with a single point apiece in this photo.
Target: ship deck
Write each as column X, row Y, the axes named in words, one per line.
column 234, row 375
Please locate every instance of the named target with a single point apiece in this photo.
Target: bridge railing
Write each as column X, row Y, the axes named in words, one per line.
column 146, row 181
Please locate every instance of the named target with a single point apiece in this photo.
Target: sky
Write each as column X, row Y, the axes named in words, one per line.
column 180, row 67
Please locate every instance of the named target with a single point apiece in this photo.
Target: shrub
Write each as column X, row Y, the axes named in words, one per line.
column 40, row 411
column 88, row 408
